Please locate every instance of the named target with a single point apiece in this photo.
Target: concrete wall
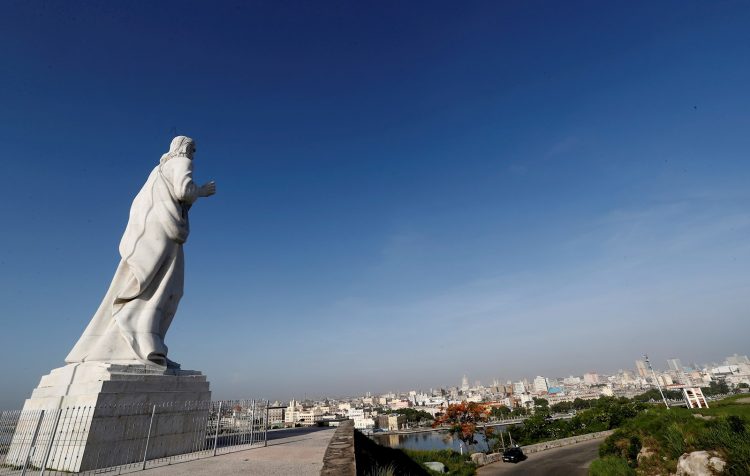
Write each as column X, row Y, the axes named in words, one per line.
column 339, row 457
column 480, row 459
column 351, row 453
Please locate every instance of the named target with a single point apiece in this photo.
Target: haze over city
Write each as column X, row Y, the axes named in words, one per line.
column 405, row 193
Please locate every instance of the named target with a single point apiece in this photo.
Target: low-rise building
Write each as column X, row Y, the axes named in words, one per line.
column 310, row 417
column 276, row 415
column 364, row 423
column 392, row 422
column 292, row 413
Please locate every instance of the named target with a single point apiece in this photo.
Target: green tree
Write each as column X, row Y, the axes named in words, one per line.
column 580, row 404
column 412, row 415
column 605, row 413
column 562, row 407
column 653, row 395
column 500, row 412
column 541, row 404
column 716, row 388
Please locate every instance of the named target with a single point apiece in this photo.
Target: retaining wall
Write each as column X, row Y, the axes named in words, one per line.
column 480, row 459
column 339, row 456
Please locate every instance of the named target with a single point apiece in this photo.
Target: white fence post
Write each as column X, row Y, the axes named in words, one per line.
column 51, row 441
column 218, row 423
column 265, row 427
column 252, row 425
column 148, row 436
column 33, row 443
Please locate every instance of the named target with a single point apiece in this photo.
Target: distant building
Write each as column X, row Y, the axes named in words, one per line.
column 292, row 413
column 540, row 385
column 518, row 388
column 526, row 401
column 465, row 384
column 674, row 364
column 641, row 368
column 364, row 423
column 276, row 415
column 725, row 370
column 737, row 360
column 664, row 379
column 310, row 417
column 355, row 413
column 399, row 404
column 591, row 378
column 392, row 422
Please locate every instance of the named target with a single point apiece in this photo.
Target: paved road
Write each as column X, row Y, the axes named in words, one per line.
column 573, row 460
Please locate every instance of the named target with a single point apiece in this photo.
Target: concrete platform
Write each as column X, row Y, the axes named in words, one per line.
column 104, row 414
column 299, row 454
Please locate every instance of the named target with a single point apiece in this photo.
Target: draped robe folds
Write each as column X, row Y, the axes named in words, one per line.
column 133, row 318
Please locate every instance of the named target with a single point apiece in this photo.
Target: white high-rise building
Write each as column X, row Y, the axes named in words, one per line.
column 464, row 384
column 540, row 384
column 674, row 364
column 590, row 378
column 664, row 379
column 518, row 388
column 641, row 368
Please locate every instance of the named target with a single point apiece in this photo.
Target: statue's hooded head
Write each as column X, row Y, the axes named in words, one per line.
column 181, row 146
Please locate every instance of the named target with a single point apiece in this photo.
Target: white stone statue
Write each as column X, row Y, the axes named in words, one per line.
column 132, row 320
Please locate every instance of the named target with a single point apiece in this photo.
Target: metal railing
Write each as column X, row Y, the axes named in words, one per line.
column 117, row 439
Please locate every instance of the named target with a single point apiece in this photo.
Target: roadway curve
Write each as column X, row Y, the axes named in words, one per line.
column 573, row 460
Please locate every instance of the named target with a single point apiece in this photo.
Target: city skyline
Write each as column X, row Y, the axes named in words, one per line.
column 405, row 191
column 489, row 382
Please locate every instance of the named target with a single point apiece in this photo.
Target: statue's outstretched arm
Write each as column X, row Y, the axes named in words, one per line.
column 207, row 189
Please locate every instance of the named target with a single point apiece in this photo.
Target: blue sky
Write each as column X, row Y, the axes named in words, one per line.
column 407, row 191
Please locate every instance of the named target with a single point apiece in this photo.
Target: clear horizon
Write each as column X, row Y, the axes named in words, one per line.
column 405, row 192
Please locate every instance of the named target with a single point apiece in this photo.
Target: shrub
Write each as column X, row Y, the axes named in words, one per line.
column 456, row 463
column 730, row 437
column 670, row 433
column 611, row 466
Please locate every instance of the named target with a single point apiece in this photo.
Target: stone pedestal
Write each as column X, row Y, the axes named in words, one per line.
column 98, row 415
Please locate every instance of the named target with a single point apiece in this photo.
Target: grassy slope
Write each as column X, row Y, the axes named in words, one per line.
column 376, row 460
column 670, row 433
column 736, row 405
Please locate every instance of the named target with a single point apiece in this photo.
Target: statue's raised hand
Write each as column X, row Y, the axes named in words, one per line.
column 207, row 189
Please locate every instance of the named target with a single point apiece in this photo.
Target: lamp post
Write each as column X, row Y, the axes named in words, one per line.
column 648, row 362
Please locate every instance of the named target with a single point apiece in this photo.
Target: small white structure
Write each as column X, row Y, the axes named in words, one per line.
column 694, row 397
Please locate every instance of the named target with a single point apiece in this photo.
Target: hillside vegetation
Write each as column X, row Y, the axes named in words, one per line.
column 604, row 413
column 653, row 441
